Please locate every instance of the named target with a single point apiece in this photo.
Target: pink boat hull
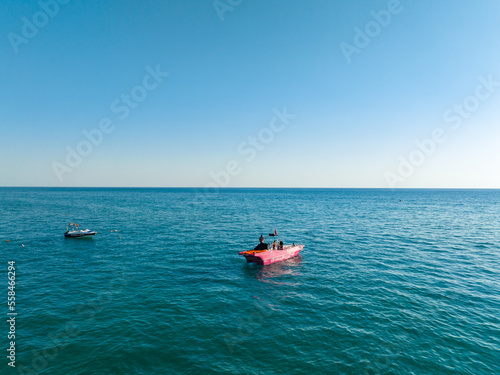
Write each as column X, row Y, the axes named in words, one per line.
column 272, row 256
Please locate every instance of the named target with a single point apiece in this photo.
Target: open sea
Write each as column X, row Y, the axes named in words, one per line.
column 389, row 282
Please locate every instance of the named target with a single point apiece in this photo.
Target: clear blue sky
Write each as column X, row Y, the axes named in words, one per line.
column 358, row 115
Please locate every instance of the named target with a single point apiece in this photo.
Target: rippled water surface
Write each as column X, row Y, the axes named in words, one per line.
column 389, row 282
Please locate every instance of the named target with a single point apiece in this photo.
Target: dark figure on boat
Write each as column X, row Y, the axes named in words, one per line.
column 262, row 245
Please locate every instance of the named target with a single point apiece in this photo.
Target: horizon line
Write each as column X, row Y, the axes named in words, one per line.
column 212, row 189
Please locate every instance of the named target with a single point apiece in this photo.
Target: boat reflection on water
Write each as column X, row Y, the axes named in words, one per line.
column 276, row 273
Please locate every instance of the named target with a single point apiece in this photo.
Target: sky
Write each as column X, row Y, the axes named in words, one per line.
column 240, row 93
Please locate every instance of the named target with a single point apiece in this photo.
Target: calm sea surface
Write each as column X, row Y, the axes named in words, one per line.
column 389, row 282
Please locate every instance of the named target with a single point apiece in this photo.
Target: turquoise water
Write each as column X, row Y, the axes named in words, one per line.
column 389, row 282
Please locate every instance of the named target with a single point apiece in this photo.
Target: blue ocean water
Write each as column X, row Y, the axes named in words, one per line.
column 389, row 282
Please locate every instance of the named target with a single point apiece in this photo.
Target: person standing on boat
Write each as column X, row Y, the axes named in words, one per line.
column 262, row 245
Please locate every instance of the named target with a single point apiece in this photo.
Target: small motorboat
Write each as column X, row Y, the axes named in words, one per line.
column 273, row 254
column 74, row 231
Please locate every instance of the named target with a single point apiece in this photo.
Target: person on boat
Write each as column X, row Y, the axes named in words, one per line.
column 280, row 246
column 274, row 245
column 262, row 245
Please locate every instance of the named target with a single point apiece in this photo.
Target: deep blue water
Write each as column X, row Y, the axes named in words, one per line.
column 389, row 282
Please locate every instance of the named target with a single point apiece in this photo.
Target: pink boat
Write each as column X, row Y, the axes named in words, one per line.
column 264, row 257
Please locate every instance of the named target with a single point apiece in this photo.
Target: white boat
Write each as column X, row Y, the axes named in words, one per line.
column 73, row 231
